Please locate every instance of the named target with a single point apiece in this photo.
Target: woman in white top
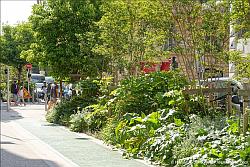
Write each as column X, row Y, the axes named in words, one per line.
column 21, row 96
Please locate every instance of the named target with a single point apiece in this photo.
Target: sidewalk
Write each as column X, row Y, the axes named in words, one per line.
column 78, row 148
column 19, row 148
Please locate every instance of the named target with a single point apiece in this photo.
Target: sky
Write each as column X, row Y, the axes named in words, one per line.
column 14, row 11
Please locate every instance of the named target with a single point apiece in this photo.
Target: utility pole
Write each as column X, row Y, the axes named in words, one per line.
column 1, row 91
column 28, row 83
column 8, row 88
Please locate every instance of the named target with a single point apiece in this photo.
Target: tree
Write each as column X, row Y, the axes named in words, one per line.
column 131, row 31
column 241, row 18
column 242, row 64
column 14, row 42
column 65, row 33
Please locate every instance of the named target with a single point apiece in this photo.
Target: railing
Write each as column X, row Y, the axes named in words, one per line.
column 246, row 104
column 245, row 93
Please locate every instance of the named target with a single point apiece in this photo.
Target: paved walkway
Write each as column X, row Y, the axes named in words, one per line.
column 57, row 145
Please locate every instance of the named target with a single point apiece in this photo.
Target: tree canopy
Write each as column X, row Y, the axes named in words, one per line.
column 14, row 42
column 65, row 34
column 89, row 37
column 131, row 31
column 196, row 31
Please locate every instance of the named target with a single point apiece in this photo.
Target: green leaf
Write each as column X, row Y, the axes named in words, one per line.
column 178, row 122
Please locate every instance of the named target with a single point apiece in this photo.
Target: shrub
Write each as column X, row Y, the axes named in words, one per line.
column 77, row 122
column 88, row 87
column 107, row 133
column 141, row 94
column 91, row 118
column 62, row 112
column 165, row 139
column 94, row 116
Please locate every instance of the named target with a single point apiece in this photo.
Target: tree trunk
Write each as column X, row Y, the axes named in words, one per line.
column 60, row 96
column 19, row 69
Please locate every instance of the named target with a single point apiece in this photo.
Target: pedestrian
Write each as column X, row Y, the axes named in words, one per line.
column 70, row 93
column 44, row 89
column 14, row 91
column 49, row 91
column 53, row 93
column 21, row 96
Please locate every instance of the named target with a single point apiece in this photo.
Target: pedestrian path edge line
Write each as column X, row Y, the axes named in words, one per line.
column 42, row 143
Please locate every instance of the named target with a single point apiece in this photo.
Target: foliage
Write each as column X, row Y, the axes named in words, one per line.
column 219, row 147
column 65, row 35
column 107, row 133
column 85, row 112
column 242, row 64
column 167, row 140
column 91, row 118
column 197, row 31
column 241, row 18
column 61, row 113
column 145, row 94
column 77, row 122
column 137, row 129
column 152, row 136
column 88, row 87
column 14, row 42
column 137, row 25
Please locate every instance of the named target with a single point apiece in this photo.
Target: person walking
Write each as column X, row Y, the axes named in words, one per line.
column 14, row 91
column 21, row 96
column 44, row 89
column 49, row 91
column 53, row 93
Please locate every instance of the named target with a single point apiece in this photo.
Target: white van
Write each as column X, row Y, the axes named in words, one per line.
column 37, row 78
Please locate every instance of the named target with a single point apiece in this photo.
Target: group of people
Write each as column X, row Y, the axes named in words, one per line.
column 19, row 93
column 50, row 90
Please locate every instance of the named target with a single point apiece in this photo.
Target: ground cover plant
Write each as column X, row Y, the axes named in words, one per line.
column 164, row 132
column 149, row 117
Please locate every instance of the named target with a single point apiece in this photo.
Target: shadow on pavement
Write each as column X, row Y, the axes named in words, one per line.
column 82, row 138
column 50, row 124
column 7, row 116
column 11, row 137
column 6, row 142
column 9, row 159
